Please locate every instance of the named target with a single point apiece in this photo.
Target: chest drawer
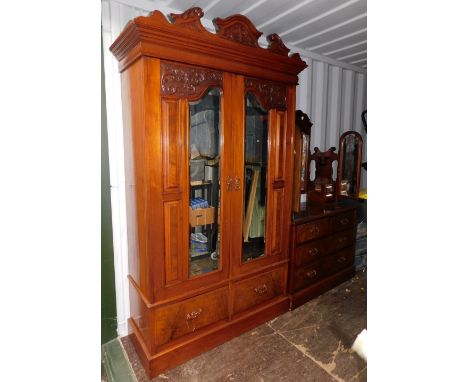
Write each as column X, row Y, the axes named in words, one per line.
column 339, row 260
column 311, row 251
column 341, row 240
column 343, row 221
column 258, row 290
column 306, row 276
column 312, row 230
column 178, row 319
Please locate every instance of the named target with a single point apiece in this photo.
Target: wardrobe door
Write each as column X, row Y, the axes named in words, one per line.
column 260, row 209
column 195, row 159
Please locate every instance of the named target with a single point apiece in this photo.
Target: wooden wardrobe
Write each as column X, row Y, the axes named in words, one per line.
column 209, row 133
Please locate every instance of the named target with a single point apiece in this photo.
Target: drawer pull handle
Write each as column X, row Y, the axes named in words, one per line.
column 194, row 314
column 314, row 229
column 261, row 289
column 313, row 251
column 342, row 259
column 311, row 274
column 344, row 221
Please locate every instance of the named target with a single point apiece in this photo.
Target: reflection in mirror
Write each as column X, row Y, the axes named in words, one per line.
column 205, row 191
column 255, row 179
column 350, row 163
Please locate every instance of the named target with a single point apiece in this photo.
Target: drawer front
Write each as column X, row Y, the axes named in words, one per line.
column 257, row 290
column 341, row 240
column 176, row 320
column 343, row 221
column 339, row 260
column 311, row 230
column 311, row 251
column 306, row 276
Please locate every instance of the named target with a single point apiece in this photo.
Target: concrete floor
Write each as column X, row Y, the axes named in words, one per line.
column 311, row 343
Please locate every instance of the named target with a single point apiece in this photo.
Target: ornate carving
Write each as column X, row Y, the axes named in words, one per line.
column 303, row 122
column 238, row 28
column 275, row 44
column 272, row 95
column 184, row 81
column 190, row 19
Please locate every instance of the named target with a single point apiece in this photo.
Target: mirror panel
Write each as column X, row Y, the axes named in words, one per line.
column 255, row 179
column 350, row 164
column 205, row 190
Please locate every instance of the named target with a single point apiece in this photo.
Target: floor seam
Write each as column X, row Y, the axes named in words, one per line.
column 335, row 377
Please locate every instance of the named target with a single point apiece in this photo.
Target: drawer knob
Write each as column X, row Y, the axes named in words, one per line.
column 314, row 229
column 342, row 259
column 194, row 314
column 344, row 221
column 311, row 274
column 261, row 289
column 341, row 240
column 313, row 251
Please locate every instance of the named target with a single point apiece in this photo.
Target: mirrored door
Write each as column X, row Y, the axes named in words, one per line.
column 255, row 179
column 205, row 145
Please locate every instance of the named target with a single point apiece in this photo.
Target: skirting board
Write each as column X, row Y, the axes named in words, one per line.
column 208, row 339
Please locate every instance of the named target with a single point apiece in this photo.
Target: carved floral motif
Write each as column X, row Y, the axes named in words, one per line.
column 187, row 81
column 238, row 28
column 270, row 94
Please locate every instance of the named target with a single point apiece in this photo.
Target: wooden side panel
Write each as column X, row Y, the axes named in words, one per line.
column 172, row 137
column 173, row 241
column 280, row 145
column 276, row 237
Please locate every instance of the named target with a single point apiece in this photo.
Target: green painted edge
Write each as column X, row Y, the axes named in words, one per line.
column 116, row 365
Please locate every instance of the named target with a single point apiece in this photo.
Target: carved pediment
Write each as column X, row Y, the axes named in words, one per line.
column 276, row 45
column 238, row 28
column 190, row 19
column 183, row 38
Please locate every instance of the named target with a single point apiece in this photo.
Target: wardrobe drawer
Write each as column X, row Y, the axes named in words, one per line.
column 311, row 230
column 176, row 320
column 306, row 276
column 339, row 260
column 258, row 290
column 311, row 251
column 343, row 221
column 341, row 240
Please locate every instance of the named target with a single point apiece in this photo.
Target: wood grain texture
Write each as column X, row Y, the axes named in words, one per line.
column 258, row 290
column 176, row 320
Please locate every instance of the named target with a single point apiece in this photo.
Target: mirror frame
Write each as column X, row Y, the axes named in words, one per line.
column 339, row 176
column 303, row 127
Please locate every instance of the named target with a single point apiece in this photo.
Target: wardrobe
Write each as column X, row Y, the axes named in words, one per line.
column 209, row 123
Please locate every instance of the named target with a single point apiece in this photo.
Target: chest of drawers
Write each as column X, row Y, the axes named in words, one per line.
column 322, row 251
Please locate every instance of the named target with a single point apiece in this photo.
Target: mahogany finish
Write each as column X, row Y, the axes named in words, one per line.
column 164, row 65
column 323, row 239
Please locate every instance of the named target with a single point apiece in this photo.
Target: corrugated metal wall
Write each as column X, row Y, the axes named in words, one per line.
column 333, row 98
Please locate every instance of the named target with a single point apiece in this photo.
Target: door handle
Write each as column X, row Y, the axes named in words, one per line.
column 228, row 183
column 237, row 183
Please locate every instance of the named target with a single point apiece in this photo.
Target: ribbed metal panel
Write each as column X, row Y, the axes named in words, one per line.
column 333, row 98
